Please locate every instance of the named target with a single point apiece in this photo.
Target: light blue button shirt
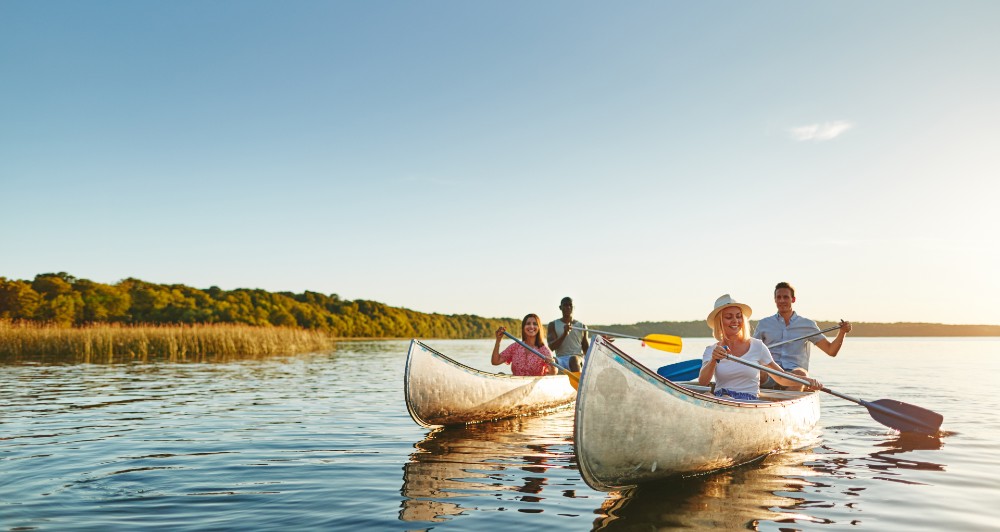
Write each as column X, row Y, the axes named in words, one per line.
column 772, row 330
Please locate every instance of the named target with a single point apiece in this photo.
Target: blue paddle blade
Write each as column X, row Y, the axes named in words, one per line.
column 681, row 371
column 904, row 417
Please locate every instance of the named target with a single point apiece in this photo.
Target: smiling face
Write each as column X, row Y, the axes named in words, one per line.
column 731, row 319
column 783, row 299
column 531, row 332
column 530, row 327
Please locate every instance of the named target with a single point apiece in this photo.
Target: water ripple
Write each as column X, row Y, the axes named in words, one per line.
column 323, row 441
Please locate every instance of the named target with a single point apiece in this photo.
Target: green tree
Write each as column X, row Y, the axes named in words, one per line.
column 103, row 302
column 18, row 300
column 62, row 298
column 60, row 304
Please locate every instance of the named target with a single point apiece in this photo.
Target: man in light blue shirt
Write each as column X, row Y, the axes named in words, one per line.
column 786, row 325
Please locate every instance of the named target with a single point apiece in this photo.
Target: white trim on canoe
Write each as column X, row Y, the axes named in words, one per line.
column 440, row 391
column 634, row 426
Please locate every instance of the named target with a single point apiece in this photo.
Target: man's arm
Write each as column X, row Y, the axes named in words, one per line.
column 554, row 341
column 832, row 348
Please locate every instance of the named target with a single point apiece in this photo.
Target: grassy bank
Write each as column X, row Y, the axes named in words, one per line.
column 112, row 343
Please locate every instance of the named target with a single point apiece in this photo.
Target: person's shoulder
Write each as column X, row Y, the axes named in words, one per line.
column 759, row 348
column 802, row 320
column 764, row 324
column 768, row 320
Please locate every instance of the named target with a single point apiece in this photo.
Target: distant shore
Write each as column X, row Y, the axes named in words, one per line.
column 116, row 343
column 699, row 329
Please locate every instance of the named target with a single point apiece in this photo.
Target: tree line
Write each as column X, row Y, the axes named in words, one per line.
column 62, row 299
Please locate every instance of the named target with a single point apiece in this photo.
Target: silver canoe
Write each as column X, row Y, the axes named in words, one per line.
column 441, row 391
column 633, row 426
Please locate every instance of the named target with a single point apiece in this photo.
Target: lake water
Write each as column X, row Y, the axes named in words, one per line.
column 324, row 441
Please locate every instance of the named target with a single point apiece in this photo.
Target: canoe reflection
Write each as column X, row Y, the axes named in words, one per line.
column 736, row 499
column 483, row 460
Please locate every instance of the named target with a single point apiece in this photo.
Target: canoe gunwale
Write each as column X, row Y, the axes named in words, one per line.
column 700, row 392
column 539, row 389
column 651, row 424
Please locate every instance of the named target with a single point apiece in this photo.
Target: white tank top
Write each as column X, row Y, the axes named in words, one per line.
column 573, row 343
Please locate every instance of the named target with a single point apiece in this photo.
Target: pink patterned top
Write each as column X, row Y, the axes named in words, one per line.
column 524, row 362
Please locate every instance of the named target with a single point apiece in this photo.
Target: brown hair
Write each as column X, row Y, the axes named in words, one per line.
column 783, row 284
column 540, row 337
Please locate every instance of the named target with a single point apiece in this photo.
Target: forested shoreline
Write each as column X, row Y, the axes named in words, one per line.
column 64, row 300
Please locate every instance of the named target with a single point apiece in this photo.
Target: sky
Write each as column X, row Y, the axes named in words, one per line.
column 491, row 157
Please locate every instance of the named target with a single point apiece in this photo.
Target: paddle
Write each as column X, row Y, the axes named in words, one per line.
column 663, row 342
column 783, row 342
column 689, row 369
column 574, row 378
column 889, row 412
column 681, row 371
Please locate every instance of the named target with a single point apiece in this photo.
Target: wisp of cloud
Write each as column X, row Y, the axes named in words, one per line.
column 820, row 132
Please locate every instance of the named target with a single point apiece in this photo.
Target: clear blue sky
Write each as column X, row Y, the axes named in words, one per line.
column 492, row 157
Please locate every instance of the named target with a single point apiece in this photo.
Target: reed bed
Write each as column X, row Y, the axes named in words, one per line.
column 115, row 343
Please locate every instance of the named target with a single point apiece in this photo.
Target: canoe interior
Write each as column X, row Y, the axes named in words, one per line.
column 766, row 396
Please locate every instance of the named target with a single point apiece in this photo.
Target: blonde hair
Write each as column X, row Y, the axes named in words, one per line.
column 717, row 325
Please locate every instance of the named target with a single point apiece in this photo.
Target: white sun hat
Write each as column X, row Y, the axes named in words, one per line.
column 726, row 301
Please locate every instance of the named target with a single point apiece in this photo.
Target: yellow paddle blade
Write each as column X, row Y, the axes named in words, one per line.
column 664, row 342
column 574, row 378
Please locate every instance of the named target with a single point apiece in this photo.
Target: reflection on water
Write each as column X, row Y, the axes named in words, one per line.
column 521, row 457
column 894, row 457
column 780, row 490
column 893, row 454
column 318, row 442
column 458, row 471
column 740, row 498
column 482, row 468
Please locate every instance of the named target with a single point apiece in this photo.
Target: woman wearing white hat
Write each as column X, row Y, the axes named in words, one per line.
column 730, row 327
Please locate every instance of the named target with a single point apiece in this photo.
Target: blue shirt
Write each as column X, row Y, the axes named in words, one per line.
column 772, row 330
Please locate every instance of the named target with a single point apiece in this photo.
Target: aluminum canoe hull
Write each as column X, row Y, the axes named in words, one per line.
column 633, row 426
column 441, row 391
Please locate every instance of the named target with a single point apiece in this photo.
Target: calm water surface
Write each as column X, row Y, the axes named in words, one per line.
column 323, row 441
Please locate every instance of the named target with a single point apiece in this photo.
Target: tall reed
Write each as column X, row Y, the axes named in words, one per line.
column 113, row 343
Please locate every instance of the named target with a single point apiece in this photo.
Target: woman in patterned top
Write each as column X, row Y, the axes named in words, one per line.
column 522, row 361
